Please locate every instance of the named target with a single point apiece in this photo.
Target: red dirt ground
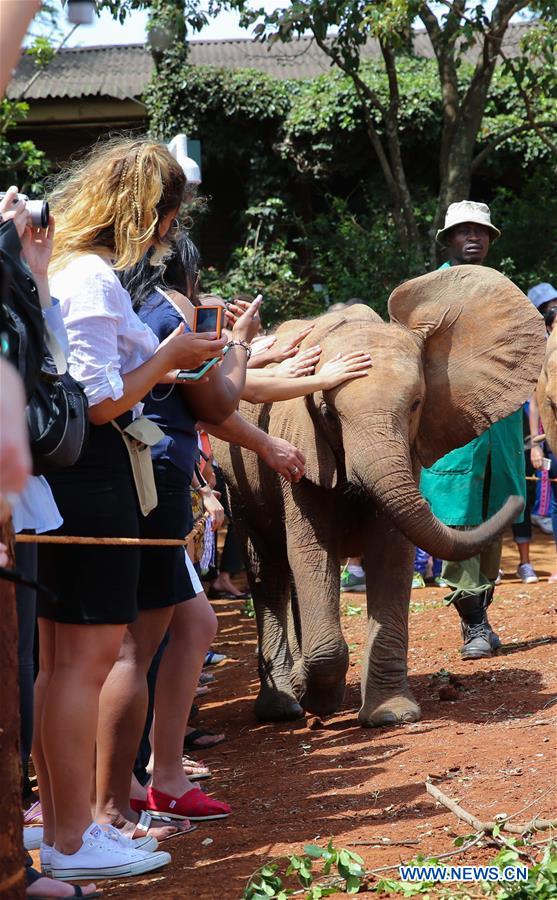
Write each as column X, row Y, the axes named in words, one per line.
column 493, row 748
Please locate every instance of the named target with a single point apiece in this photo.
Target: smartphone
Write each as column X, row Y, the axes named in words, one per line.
column 185, row 375
column 208, row 318
column 195, row 374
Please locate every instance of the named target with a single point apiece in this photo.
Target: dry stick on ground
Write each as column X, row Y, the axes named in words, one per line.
column 472, row 843
column 529, row 805
column 382, row 843
column 478, row 825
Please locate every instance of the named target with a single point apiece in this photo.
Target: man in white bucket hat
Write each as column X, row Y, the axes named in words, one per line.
column 472, row 482
column 467, row 233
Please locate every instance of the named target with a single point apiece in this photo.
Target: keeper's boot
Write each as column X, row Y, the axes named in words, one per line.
column 480, row 641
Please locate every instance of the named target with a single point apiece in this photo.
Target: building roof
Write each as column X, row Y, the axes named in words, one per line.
column 124, row 71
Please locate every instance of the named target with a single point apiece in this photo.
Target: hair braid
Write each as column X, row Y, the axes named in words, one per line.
column 135, row 190
column 112, row 200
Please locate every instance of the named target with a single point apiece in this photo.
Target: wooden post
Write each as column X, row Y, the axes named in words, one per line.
column 12, row 875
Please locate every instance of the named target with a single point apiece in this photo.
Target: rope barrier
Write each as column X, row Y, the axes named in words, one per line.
column 112, row 541
column 535, row 478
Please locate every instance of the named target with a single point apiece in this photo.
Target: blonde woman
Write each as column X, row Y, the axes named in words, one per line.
column 111, row 208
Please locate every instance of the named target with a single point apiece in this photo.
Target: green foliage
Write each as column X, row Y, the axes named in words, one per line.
column 21, row 162
column 248, row 608
column 347, row 869
column 357, row 254
column 542, row 877
column 266, row 265
column 42, row 51
column 352, row 610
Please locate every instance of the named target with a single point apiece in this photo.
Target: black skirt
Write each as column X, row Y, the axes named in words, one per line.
column 96, row 497
column 164, row 578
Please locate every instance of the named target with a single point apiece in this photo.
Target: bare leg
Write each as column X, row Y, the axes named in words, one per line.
column 192, row 630
column 84, row 655
column 46, row 669
column 524, row 552
column 122, row 714
column 386, row 697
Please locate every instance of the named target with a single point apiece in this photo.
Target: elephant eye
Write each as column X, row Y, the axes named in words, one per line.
column 415, row 405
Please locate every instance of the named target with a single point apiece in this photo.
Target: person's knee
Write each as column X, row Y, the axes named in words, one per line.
column 203, row 624
column 210, row 624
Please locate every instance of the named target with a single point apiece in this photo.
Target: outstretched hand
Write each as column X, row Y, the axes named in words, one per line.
column 298, row 366
column 283, row 457
column 247, row 323
column 344, row 367
column 279, row 352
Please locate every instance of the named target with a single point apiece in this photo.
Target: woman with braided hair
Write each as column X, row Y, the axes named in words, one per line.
column 111, row 207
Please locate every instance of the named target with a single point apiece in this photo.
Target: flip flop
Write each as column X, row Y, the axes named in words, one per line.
column 140, row 806
column 33, row 815
column 226, row 595
column 78, row 892
column 189, row 763
column 191, row 738
column 213, row 659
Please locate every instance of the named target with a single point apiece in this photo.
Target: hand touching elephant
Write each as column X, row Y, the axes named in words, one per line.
column 463, row 349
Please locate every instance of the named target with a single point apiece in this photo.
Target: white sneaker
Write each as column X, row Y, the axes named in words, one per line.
column 544, row 523
column 32, row 837
column 104, row 855
column 527, row 574
column 146, row 843
column 45, row 854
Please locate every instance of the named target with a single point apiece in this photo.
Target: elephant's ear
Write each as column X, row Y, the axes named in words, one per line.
column 483, row 350
column 297, row 421
column 547, row 392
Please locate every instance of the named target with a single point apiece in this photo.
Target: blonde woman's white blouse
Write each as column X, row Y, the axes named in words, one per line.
column 106, row 337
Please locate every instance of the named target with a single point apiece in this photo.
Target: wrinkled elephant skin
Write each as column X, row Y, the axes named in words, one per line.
column 464, row 348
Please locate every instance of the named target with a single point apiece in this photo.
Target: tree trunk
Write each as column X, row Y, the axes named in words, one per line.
column 12, row 875
column 456, row 178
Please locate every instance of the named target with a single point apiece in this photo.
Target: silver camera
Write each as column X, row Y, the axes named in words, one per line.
column 37, row 210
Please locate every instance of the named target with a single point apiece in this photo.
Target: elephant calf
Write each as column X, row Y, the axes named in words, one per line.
column 463, row 349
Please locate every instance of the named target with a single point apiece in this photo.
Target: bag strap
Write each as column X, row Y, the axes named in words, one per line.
column 55, row 350
column 17, row 577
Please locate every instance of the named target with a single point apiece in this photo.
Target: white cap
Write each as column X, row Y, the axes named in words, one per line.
column 178, row 146
column 467, row 211
column 542, row 293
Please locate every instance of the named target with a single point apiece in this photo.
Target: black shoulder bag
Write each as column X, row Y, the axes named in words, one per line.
column 57, row 413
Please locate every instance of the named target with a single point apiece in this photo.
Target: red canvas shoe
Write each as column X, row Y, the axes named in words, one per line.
column 138, row 805
column 193, row 805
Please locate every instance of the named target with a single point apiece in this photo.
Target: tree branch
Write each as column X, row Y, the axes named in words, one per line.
column 519, row 129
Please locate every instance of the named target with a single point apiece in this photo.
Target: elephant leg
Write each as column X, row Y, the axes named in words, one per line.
column 318, row 675
column 269, row 578
column 386, row 697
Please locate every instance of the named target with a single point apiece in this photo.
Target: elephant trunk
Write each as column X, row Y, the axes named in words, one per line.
column 388, row 478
